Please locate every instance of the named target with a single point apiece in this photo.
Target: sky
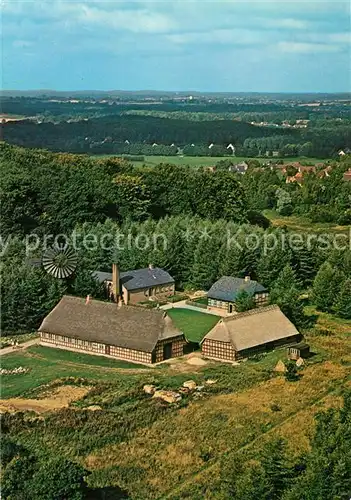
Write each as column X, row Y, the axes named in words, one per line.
column 224, row 46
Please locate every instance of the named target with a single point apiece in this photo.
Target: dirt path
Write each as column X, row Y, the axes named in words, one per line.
column 8, row 350
column 59, row 398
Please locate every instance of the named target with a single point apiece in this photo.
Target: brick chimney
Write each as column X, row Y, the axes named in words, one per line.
column 115, row 282
column 247, row 279
column 151, row 266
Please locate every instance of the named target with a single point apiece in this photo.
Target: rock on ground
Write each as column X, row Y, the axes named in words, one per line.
column 168, row 396
column 190, row 384
column 149, row 389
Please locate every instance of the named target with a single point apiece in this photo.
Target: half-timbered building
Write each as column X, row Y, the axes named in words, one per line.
column 248, row 333
column 125, row 332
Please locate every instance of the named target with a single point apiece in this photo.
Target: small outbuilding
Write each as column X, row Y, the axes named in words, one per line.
column 301, row 350
column 248, row 333
column 125, row 332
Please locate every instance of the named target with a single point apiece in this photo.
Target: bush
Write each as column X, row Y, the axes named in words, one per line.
column 196, row 304
column 177, row 297
column 322, row 214
column 291, row 374
column 286, row 210
column 345, row 218
column 275, row 407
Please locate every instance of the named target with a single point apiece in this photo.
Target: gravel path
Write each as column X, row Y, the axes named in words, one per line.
column 7, row 350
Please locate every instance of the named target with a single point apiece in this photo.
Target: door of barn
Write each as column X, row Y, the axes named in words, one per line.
column 167, row 351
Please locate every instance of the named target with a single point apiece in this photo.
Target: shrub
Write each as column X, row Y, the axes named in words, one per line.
column 291, row 374
column 275, row 407
column 177, row 297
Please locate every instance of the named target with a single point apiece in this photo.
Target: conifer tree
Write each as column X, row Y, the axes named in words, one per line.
column 286, row 294
column 326, row 286
column 270, row 265
column 342, row 304
column 205, row 267
column 244, row 301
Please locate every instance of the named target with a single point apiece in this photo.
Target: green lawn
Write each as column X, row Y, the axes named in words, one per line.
column 194, row 324
column 47, row 364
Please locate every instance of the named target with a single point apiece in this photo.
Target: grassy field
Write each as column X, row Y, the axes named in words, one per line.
column 303, row 224
column 194, row 324
column 196, row 161
column 46, row 364
column 156, row 451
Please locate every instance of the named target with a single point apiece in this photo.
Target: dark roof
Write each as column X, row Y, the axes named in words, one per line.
column 104, row 322
column 102, row 276
column 253, row 328
column 138, row 278
column 228, row 287
column 300, row 345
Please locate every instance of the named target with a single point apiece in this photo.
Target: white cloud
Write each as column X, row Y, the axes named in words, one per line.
column 220, row 36
column 297, row 24
column 340, row 37
column 306, row 48
column 137, row 21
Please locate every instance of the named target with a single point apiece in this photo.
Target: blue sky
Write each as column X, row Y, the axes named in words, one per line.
column 199, row 45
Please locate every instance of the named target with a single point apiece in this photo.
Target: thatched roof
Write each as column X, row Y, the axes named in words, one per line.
column 104, row 322
column 228, row 287
column 253, row 328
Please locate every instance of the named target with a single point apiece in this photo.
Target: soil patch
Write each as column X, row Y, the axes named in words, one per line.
column 61, row 397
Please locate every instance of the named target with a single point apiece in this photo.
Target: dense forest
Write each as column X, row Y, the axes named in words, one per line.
column 166, row 127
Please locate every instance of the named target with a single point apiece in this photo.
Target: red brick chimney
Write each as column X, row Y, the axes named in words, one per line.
column 115, row 282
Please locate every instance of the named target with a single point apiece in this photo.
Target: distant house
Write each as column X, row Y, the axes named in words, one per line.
column 239, row 168
column 347, row 175
column 302, row 170
column 126, row 332
column 325, row 172
column 223, row 293
column 248, row 333
column 138, row 285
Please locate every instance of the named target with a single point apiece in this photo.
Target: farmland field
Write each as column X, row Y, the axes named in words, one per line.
column 197, row 161
column 303, row 224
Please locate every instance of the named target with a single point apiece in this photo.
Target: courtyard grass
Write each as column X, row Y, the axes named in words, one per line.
column 193, row 324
